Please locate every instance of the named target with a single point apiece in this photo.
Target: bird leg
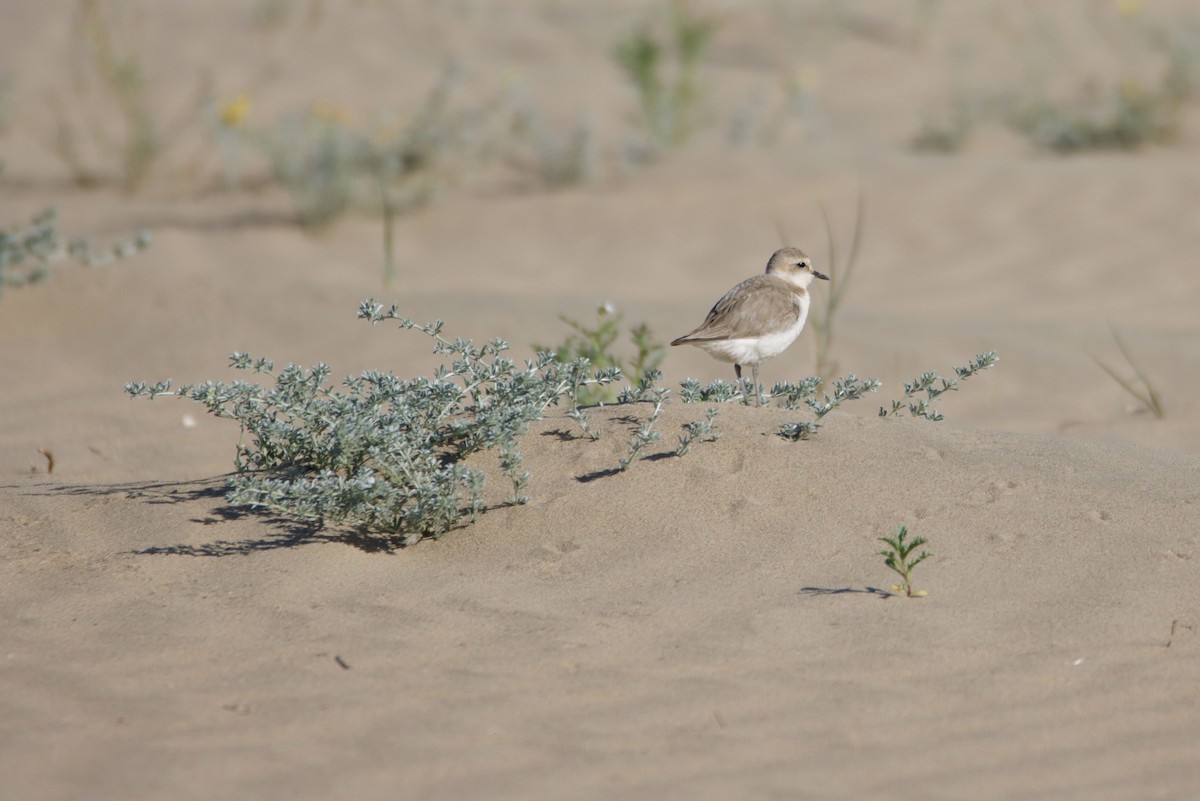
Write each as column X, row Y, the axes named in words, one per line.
column 757, row 395
column 737, row 370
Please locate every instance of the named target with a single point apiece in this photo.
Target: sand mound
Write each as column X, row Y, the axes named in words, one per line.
column 713, row 626
column 695, row 627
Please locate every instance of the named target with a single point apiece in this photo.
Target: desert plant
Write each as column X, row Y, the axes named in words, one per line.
column 595, row 342
column 665, row 74
column 27, row 251
column 329, row 166
column 697, row 431
column 848, row 388
column 764, row 116
column 793, row 395
column 227, row 122
column 580, row 416
column 934, row 385
column 269, row 16
column 123, row 81
column 1131, row 109
column 6, row 102
column 844, row 389
column 510, row 462
column 314, row 157
column 383, row 454
column 796, row 394
column 899, row 557
column 824, row 314
column 646, row 389
column 1147, row 395
column 558, row 160
column 719, row 391
column 947, row 130
column 1122, row 118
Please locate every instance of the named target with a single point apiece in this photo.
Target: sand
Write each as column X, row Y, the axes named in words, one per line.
column 716, row 625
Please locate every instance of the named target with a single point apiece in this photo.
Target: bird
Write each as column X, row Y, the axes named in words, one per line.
column 759, row 317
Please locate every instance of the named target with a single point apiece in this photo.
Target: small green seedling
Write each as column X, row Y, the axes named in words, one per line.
column 897, row 558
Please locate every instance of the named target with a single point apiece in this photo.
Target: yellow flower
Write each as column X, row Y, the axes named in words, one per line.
column 235, row 111
column 1129, row 8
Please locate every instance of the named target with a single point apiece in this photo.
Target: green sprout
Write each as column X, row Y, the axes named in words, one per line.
column 897, row 557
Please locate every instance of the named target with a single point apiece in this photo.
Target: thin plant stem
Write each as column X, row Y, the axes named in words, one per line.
column 839, row 280
column 1150, row 397
column 388, row 210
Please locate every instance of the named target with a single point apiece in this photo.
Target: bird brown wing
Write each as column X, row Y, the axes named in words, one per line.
column 759, row 305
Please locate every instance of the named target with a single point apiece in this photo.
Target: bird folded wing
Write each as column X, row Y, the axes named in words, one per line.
column 757, row 306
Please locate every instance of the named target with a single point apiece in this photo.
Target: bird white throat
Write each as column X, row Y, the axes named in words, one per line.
column 759, row 317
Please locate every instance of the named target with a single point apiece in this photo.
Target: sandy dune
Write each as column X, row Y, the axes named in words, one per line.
column 716, row 625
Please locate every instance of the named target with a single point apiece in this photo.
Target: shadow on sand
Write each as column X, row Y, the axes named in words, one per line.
column 813, row 592
column 284, row 532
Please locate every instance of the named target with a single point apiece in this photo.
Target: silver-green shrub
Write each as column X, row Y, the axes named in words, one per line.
column 382, row 453
column 27, row 251
column 934, row 385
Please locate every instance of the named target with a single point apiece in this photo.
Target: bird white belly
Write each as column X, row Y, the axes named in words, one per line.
column 752, row 350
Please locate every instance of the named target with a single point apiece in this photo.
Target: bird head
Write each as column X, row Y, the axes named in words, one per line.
column 793, row 266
